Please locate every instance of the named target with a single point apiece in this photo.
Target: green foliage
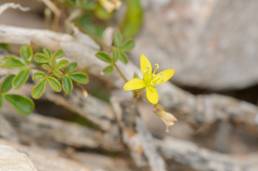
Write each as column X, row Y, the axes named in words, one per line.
column 39, row 75
column 79, row 77
column 71, row 67
column 104, row 57
column 120, row 49
column 39, row 89
column 7, row 84
column 108, row 69
column 47, row 69
column 22, row 104
column 4, row 46
column 26, row 53
column 58, row 72
column 21, row 78
column 54, row 84
column 133, row 19
column 67, row 84
column 121, row 46
column 11, row 62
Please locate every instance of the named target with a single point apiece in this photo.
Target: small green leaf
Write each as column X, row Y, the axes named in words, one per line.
column 21, row 78
column 46, row 67
column 39, row 75
column 108, row 70
column 22, row 104
column 41, row 58
column 39, row 89
column 104, row 57
column 47, row 52
column 120, row 55
column 7, row 84
column 54, row 84
column 11, row 62
column 59, row 53
column 123, row 57
column 67, row 84
column 118, row 39
column 128, row 46
column 1, row 100
column 71, row 67
column 133, row 18
column 115, row 53
column 57, row 73
column 26, row 53
column 62, row 63
column 79, row 77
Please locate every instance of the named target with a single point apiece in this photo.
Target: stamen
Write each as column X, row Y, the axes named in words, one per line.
column 156, row 68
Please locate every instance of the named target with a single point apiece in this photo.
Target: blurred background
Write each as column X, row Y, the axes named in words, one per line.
column 212, row 45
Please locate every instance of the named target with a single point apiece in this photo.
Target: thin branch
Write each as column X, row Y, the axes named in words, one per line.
column 55, row 10
column 11, row 5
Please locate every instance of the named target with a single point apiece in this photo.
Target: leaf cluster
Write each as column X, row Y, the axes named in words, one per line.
column 57, row 72
column 120, row 49
column 47, row 68
column 22, row 104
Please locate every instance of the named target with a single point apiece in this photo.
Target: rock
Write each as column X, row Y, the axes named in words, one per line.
column 206, row 41
column 12, row 160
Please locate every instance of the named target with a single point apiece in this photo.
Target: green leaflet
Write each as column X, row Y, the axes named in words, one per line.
column 133, row 19
column 26, row 53
column 79, row 77
column 71, row 67
column 62, row 63
column 59, row 53
column 104, row 57
column 54, row 84
column 39, row 75
column 41, row 58
column 39, row 89
column 108, row 70
column 6, row 84
column 67, row 85
column 21, row 78
column 23, row 105
column 11, row 62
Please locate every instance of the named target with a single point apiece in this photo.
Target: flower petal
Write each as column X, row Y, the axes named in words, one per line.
column 134, row 84
column 145, row 64
column 163, row 76
column 152, row 95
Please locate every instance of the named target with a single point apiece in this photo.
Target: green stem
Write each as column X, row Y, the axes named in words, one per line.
column 121, row 73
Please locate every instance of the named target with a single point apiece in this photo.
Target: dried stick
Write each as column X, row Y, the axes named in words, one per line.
column 11, row 5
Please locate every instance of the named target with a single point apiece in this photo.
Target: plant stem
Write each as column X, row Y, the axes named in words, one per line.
column 121, row 73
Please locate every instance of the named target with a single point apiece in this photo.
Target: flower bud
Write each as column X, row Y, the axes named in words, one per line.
column 110, row 5
column 167, row 118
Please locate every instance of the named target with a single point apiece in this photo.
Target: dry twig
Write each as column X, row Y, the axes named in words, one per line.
column 11, row 5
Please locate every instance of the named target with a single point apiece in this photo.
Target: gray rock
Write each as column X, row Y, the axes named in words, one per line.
column 11, row 160
column 211, row 43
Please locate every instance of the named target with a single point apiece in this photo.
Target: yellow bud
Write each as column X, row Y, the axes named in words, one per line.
column 110, row 5
column 85, row 93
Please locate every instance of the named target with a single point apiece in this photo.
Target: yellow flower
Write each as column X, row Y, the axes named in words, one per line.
column 110, row 5
column 150, row 80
